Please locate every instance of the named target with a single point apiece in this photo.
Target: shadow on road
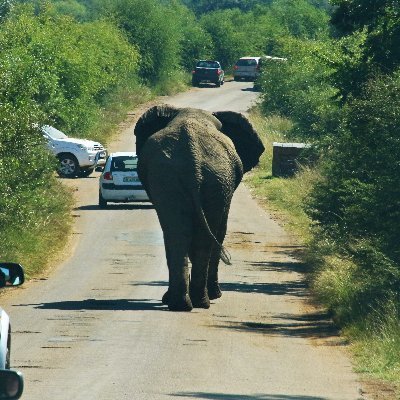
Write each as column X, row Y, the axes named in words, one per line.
column 277, row 266
column 123, row 206
column 102, row 305
column 315, row 325
column 291, row 288
column 222, row 396
column 151, row 284
column 249, row 89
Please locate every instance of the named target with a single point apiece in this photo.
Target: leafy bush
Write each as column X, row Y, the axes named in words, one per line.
column 300, row 87
column 356, row 206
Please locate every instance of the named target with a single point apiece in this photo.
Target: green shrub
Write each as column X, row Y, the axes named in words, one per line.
column 356, row 205
column 300, row 87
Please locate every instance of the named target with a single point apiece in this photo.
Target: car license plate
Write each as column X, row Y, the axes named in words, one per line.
column 130, row 179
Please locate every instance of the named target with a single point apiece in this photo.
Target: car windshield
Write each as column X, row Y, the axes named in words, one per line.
column 124, row 163
column 246, row 62
column 53, row 132
column 207, row 64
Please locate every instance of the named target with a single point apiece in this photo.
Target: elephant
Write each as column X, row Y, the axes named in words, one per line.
column 190, row 162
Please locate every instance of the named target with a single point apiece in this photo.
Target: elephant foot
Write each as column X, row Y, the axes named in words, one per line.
column 165, row 297
column 214, row 291
column 179, row 303
column 199, row 299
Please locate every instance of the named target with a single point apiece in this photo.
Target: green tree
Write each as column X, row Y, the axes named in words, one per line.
column 153, row 28
column 379, row 22
column 207, row 6
column 300, row 88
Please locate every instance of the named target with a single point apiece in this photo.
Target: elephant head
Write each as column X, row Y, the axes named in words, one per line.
column 190, row 162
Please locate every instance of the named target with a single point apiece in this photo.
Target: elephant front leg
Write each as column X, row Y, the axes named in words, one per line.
column 177, row 297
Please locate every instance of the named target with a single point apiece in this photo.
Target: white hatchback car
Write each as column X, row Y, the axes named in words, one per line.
column 119, row 181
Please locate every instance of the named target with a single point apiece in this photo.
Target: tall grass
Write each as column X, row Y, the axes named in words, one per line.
column 34, row 243
column 338, row 282
column 284, row 196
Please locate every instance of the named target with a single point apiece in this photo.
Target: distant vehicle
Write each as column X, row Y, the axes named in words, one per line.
column 246, row 68
column 11, row 274
column 78, row 157
column 208, row 71
column 119, row 181
column 11, row 384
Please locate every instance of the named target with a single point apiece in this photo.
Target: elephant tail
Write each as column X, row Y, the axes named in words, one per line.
column 224, row 254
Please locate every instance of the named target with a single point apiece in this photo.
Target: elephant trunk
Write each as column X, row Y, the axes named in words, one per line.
column 224, row 254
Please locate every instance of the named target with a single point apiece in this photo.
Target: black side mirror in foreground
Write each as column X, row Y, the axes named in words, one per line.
column 11, row 274
column 11, row 384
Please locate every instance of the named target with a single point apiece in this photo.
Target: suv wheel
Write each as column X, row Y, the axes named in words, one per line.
column 69, row 166
column 85, row 172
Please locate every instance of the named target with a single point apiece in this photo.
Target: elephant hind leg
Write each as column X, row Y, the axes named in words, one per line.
column 213, row 288
column 199, row 256
column 176, row 249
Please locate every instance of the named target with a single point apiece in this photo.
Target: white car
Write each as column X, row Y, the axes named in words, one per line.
column 11, row 274
column 119, row 181
column 78, row 157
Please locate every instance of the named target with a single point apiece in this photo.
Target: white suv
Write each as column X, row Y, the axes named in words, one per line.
column 78, row 157
column 246, row 68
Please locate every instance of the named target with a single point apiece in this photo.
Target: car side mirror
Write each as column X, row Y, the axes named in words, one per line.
column 99, row 169
column 11, row 274
column 11, row 384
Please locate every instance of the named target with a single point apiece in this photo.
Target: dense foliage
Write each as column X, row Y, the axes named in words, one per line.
column 53, row 70
column 342, row 94
column 357, row 204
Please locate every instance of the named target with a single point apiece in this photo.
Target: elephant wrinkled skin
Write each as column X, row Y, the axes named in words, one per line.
column 190, row 162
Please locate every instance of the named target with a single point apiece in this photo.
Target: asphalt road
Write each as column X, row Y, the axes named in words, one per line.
column 94, row 328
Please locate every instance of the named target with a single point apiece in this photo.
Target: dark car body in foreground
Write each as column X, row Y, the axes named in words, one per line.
column 208, row 71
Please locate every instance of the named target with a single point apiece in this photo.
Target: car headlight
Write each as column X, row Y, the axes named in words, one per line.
column 82, row 147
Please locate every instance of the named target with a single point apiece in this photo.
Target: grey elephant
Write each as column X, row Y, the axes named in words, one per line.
column 190, row 162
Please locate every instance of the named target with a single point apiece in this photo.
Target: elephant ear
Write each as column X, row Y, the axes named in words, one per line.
column 246, row 140
column 153, row 120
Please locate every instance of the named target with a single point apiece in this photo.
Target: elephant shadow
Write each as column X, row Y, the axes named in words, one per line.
column 101, row 305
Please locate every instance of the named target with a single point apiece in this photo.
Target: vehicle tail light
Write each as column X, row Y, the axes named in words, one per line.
column 107, row 176
column 194, row 71
column 235, row 67
column 219, row 72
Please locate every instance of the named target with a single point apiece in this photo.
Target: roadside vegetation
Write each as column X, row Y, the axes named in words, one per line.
column 81, row 64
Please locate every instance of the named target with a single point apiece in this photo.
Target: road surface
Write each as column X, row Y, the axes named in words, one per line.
column 93, row 328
